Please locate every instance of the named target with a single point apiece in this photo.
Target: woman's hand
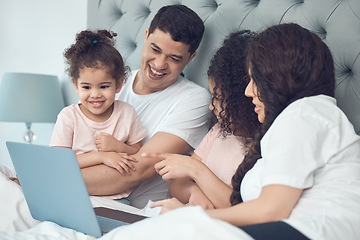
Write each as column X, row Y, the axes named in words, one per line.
column 173, row 203
column 167, row 205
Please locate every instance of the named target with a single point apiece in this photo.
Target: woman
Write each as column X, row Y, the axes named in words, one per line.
column 301, row 178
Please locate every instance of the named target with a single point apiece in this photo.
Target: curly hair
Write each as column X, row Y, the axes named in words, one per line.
column 287, row 63
column 95, row 49
column 228, row 72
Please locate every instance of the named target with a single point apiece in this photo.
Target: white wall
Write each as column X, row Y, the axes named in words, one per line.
column 33, row 36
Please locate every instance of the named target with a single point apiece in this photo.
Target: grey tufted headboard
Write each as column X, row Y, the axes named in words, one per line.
column 337, row 22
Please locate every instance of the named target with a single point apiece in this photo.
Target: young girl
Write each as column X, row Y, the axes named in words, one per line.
column 301, row 179
column 98, row 122
column 205, row 177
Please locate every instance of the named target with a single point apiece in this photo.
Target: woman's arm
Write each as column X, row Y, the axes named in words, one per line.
column 275, row 202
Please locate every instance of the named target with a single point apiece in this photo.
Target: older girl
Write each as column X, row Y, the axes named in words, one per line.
column 205, row 177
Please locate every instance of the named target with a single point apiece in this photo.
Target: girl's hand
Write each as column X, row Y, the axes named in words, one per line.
column 167, row 204
column 107, row 143
column 121, row 162
column 174, row 166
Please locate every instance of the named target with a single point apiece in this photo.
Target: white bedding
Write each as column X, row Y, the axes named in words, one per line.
column 185, row 223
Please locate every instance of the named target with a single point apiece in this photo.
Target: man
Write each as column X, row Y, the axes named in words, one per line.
column 173, row 109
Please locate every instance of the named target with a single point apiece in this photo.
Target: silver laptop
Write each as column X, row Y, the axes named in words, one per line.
column 55, row 191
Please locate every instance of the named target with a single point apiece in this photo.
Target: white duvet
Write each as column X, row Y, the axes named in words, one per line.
column 16, row 222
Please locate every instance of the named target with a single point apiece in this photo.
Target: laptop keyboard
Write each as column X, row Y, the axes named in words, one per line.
column 107, row 224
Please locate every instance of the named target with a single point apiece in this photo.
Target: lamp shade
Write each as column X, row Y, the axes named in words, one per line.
column 27, row 97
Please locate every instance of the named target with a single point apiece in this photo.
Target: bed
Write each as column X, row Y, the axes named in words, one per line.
column 337, row 22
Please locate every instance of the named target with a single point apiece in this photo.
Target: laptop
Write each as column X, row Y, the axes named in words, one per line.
column 55, row 190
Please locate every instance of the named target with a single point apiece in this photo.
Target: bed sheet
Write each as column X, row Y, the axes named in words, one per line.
column 185, row 223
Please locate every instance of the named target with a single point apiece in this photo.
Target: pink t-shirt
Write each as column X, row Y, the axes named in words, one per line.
column 74, row 130
column 221, row 155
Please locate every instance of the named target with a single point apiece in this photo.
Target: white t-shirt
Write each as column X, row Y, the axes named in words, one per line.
column 181, row 109
column 311, row 145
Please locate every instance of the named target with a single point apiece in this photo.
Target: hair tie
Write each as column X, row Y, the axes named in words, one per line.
column 95, row 41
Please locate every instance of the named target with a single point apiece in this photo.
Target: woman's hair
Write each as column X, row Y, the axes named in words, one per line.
column 95, row 49
column 286, row 63
column 228, row 72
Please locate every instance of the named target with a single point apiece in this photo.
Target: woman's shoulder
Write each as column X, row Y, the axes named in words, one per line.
column 313, row 102
column 316, row 117
column 315, row 107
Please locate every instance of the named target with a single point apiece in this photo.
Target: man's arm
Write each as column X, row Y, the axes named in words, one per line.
column 103, row 180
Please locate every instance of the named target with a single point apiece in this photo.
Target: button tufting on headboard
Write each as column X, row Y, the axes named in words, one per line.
column 335, row 21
